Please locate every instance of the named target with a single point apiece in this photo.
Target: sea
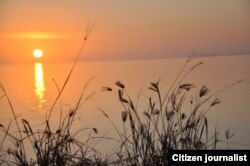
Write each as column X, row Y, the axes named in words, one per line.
column 33, row 88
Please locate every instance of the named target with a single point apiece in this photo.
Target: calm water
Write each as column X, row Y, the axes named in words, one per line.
column 32, row 90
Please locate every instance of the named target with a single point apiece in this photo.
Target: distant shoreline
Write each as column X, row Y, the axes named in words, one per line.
column 130, row 59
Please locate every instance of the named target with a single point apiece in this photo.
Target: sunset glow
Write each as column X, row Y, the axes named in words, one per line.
column 37, row 53
column 124, row 29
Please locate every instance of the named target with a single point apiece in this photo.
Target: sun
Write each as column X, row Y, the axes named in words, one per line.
column 37, row 53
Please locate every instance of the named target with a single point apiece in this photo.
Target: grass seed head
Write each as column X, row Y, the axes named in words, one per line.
column 204, row 91
column 120, row 84
column 124, row 116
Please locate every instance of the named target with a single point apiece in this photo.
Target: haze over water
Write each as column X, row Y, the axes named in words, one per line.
column 32, row 90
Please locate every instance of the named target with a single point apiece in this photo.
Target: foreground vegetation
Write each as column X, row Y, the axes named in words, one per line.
column 172, row 120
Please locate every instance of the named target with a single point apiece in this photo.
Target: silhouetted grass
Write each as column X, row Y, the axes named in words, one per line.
column 172, row 120
column 59, row 147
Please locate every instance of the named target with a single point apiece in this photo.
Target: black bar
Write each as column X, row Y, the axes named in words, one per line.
column 209, row 157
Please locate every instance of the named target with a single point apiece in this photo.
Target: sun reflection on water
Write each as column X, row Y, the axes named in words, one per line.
column 39, row 83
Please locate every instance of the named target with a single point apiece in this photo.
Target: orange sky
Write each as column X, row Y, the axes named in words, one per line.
column 124, row 29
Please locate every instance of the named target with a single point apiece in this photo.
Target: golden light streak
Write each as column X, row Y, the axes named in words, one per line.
column 39, row 83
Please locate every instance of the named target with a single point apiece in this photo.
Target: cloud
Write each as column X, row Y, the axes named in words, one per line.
column 40, row 35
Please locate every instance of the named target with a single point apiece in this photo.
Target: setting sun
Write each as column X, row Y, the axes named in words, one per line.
column 37, row 53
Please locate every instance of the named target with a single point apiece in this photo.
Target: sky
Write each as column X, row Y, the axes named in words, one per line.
column 141, row 29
